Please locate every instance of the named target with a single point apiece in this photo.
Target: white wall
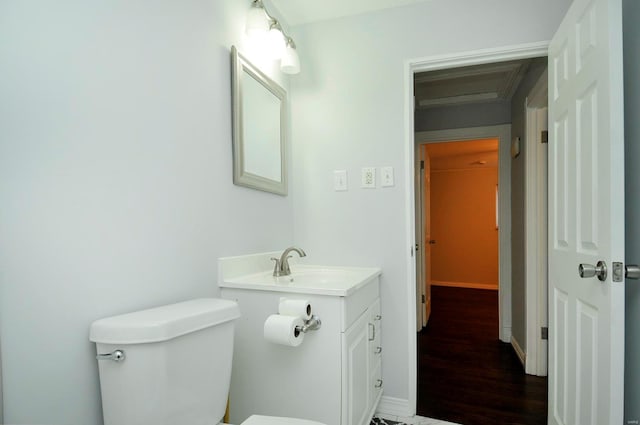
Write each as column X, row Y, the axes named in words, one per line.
column 348, row 112
column 631, row 31
column 115, row 181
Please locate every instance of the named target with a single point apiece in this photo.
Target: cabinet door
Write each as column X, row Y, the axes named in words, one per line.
column 356, row 372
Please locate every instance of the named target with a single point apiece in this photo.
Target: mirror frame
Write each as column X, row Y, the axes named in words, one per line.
column 239, row 66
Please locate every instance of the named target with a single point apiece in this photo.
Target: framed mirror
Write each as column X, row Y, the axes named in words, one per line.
column 259, row 128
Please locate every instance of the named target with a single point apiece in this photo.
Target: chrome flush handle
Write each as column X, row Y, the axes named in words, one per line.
column 115, row 355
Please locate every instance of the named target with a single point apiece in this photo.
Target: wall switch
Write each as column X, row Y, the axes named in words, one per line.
column 386, row 176
column 340, row 180
column 369, row 177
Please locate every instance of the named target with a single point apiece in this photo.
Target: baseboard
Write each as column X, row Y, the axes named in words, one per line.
column 506, row 334
column 468, row 285
column 394, row 406
column 519, row 351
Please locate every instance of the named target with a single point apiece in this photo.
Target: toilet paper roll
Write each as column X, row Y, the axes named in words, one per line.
column 293, row 307
column 282, row 330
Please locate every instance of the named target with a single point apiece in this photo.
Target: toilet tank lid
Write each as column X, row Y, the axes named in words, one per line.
column 163, row 323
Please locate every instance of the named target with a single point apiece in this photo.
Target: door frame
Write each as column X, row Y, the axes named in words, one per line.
column 412, row 66
column 424, row 304
column 503, row 134
column 420, row 246
column 535, row 219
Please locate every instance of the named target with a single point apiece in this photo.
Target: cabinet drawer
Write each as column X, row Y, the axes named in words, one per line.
column 356, row 304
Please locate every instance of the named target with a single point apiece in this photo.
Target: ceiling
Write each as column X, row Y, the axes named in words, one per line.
column 297, row 12
column 487, row 83
column 494, row 82
column 462, row 155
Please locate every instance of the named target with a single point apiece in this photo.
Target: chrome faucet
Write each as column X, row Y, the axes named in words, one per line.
column 281, row 267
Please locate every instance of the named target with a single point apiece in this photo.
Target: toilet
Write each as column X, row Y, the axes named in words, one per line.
column 170, row 365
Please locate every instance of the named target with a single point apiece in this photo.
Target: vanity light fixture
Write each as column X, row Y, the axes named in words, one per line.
column 261, row 24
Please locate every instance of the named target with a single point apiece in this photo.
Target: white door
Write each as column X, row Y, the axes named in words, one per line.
column 586, row 216
column 419, row 247
column 427, row 242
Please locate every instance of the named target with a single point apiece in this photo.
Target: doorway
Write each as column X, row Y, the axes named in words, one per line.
column 456, row 217
column 506, row 153
column 460, row 191
column 460, row 354
column 501, row 134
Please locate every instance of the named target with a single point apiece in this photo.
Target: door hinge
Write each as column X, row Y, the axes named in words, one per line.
column 417, row 247
column 544, row 333
column 422, row 165
column 424, row 300
column 544, row 136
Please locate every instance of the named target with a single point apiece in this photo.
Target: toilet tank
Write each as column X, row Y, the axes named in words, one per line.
column 176, row 367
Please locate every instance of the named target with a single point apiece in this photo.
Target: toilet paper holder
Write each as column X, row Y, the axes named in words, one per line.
column 313, row 324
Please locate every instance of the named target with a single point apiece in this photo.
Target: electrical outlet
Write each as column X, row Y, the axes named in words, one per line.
column 369, row 177
column 340, row 180
column 386, row 176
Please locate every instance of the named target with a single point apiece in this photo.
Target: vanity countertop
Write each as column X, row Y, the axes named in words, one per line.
column 307, row 279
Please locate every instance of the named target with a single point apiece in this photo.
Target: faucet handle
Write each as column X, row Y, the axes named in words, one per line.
column 276, row 267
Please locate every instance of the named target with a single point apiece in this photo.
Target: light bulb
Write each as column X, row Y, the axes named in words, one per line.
column 276, row 41
column 257, row 21
column 290, row 62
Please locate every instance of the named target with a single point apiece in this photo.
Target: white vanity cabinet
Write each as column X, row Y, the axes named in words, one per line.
column 334, row 375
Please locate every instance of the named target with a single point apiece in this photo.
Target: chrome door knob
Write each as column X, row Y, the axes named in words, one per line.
column 632, row 271
column 589, row 270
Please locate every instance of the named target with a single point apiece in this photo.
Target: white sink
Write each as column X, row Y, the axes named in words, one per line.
column 307, row 279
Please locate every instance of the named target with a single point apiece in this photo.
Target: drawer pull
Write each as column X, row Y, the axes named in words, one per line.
column 378, row 350
column 378, row 383
column 372, row 327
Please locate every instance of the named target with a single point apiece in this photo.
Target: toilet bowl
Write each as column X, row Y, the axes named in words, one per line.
column 170, row 365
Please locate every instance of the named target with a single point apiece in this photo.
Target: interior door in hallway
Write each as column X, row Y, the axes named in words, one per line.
column 428, row 242
column 421, row 312
column 586, row 216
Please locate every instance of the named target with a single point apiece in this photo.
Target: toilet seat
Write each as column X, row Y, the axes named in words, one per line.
column 275, row 420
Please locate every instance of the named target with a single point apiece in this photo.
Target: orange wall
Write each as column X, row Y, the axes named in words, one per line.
column 463, row 224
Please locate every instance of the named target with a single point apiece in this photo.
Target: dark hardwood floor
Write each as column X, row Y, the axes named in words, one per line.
column 465, row 373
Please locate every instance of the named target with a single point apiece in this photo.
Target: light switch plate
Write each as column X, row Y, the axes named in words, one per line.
column 340, row 180
column 386, row 176
column 369, row 177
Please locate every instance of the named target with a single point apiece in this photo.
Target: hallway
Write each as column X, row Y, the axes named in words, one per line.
column 465, row 373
